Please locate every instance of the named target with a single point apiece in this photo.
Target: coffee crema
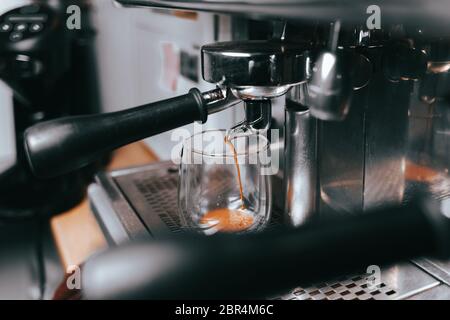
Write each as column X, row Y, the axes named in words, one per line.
column 228, row 220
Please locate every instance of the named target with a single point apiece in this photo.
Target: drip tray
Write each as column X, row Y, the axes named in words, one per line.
column 142, row 202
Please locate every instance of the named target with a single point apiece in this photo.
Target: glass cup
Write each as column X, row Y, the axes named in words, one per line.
column 223, row 186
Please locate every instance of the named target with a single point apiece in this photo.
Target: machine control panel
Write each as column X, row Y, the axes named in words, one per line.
column 24, row 23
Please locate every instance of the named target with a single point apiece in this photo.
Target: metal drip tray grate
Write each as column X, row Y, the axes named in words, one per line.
column 346, row 288
column 161, row 199
column 153, row 195
column 132, row 202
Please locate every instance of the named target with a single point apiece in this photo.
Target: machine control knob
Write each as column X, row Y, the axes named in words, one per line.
column 36, row 27
column 21, row 27
column 5, row 27
column 16, row 36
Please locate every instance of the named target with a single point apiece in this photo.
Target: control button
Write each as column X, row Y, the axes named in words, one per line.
column 36, row 27
column 21, row 27
column 16, row 36
column 5, row 27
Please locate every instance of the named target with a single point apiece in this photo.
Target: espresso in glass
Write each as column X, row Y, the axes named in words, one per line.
column 222, row 187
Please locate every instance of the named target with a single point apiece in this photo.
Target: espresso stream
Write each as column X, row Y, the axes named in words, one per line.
column 228, row 220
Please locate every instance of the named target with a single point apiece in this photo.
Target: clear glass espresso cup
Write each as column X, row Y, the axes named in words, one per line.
column 223, row 186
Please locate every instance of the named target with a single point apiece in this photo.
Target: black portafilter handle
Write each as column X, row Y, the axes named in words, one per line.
column 266, row 264
column 62, row 145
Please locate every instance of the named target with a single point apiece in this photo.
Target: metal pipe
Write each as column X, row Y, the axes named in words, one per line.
column 300, row 169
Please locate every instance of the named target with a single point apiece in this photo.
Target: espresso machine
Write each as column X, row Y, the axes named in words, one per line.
column 367, row 114
column 46, row 71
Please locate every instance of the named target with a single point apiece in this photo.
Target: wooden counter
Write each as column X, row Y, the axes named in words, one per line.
column 76, row 232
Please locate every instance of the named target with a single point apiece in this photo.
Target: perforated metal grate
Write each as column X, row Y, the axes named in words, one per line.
column 346, row 288
column 160, row 194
